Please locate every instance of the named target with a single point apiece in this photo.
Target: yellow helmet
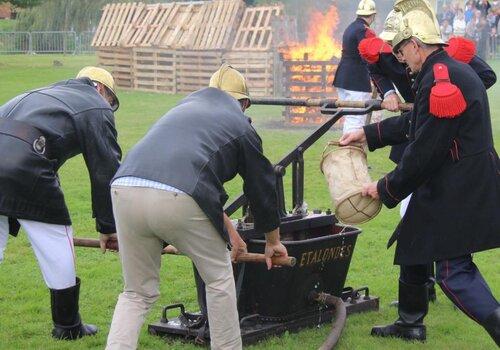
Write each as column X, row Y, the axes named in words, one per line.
column 419, row 20
column 391, row 25
column 102, row 76
column 366, row 8
column 228, row 79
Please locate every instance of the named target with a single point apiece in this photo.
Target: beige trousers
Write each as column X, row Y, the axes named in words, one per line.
column 144, row 218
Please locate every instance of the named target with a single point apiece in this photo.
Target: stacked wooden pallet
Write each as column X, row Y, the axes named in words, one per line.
column 116, row 20
column 257, row 67
column 216, row 24
column 255, row 31
column 154, row 70
column 165, row 25
column 119, row 61
column 192, row 25
column 175, row 47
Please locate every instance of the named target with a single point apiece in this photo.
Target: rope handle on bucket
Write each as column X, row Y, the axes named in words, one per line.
column 360, row 146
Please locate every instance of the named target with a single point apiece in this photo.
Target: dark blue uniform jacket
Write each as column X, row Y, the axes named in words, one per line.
column 389, row 73
column 450, row 166
column 352, row 72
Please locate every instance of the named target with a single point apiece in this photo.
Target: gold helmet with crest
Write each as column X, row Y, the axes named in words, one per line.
column 419, row 21
column 391, row 25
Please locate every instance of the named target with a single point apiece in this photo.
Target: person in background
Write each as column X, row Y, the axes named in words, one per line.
column 483, row 6
column 446, row 30
column 483, row 35
column 459, row 23
column 351, row 78
column 471, row 31
column 469, row 11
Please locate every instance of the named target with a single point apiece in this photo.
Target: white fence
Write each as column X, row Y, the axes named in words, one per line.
column 46, row 42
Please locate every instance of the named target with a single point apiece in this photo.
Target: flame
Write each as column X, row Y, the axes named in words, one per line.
column 320, row 44
column 307, row 78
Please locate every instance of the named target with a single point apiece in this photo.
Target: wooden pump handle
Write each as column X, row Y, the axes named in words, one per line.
column 261, row 258
column 171, row 250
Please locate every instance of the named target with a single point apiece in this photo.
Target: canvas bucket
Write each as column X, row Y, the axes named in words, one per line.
column 346, row 170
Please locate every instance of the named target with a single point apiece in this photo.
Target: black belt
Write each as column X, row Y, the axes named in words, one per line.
column 24, row 132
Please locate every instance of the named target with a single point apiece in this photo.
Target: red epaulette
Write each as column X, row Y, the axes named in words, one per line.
column 371, row 48
column 369, row 33
column 446, row 99
column 461, row 49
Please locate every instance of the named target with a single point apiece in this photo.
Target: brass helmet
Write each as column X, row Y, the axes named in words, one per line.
column 419, row 21
column 228, row 79
column 366, row 8
column 391, row 25
column 102, row 76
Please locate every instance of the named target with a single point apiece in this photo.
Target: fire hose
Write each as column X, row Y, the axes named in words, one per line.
column 339, row 317
column 171, row 250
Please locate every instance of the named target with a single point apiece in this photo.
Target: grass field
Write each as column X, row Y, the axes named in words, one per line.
column 25, row 320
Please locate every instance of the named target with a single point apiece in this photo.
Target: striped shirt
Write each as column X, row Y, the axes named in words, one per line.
column 131, row 181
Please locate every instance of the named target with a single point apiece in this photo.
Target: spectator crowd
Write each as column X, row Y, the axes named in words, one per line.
column 473, row 19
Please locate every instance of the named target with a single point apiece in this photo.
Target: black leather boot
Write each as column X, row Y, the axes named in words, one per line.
column 432, row 291
column 432, row 283
column 67, row 322
column 412, row 308
column 492, row 325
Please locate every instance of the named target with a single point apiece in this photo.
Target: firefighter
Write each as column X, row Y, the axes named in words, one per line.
column 39, row 131
column 449, row 216
column 170, row 188
column 389, row 75
column 351, row 78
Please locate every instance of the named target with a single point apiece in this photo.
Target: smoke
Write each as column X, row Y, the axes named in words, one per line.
column 301, row 11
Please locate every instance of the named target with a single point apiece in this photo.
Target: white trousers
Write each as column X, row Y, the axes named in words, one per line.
column 353, row 122
column 53, row 247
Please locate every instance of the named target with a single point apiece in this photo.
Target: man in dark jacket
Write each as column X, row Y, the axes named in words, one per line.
column 451, row 146
column 351, row 78
column 39, row 131
column 170, row 188
column 388, row 74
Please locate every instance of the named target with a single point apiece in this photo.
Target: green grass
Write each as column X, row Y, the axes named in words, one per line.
column 7, row 25
column 24, row 300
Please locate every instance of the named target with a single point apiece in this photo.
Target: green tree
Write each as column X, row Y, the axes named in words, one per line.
column 62, row 15
column 23, row 3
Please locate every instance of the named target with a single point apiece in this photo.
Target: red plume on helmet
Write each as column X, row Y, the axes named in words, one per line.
column 446, row 100
column 461, row 49
column 371, row 48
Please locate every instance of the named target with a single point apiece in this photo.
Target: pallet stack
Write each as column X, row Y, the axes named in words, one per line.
column 175, row 47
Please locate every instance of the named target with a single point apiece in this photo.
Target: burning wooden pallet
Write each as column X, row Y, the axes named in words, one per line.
column 309, row 68
column 308, row 79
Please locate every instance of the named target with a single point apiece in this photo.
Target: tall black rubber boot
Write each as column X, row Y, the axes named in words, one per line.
column 492, row 325
column 412, row 308
column 67, row 322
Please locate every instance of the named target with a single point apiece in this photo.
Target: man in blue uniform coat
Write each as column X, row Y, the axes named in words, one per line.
column 449, row 216
column 351, row 79
column 388, row 74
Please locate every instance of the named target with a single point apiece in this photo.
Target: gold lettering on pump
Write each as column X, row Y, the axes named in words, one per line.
column 324, row 255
